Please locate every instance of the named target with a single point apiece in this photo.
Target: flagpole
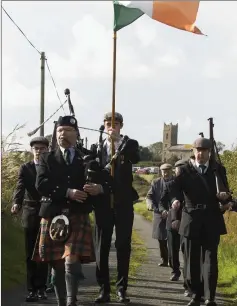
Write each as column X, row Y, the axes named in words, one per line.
column 113, row 103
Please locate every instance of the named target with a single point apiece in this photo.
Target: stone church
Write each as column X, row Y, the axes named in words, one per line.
column 171, row 146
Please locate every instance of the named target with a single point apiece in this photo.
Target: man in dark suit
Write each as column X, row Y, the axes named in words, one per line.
column 172, row 226
column 28, row 198
column 118, row 213
column 202, row 220
column 65, row 238
column 159, row 232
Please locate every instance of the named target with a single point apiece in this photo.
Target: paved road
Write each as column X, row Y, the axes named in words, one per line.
column 151, row 286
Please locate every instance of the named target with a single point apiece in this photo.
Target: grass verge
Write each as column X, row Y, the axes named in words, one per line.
column 227, row 282
column 13, row 253
column 138, row 257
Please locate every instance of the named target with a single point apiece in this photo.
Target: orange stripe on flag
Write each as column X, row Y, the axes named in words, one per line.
column 178, row 14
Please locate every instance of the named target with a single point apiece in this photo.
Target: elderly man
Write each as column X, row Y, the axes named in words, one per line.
column 119, row 215
column 158, row 187
column 28, row 198
column 172, row 226
column 202, row 220
column 65, row 238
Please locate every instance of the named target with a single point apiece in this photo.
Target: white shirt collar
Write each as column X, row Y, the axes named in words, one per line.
column 63, row 149
column 197, row 164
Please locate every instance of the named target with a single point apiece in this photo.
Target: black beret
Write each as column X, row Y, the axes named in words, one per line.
column 39, row 139
column 117, row 116
column 180, row 162
column 67, row 121
column 203, row 143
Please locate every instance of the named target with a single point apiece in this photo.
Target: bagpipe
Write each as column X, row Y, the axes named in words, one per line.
column 90, row 157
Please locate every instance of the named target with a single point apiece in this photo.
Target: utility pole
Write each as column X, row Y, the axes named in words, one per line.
column 42, row 85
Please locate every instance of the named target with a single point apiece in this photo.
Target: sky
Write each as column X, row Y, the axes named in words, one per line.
column 164, row 75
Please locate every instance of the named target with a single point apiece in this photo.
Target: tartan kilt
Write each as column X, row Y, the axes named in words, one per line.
column 79, row 243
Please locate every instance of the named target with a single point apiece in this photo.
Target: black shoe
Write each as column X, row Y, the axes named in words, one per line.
column 194, row 302
column 42, row 295
column 50, row 289
column 32, row 297
column 187, row 293
column 163, row 264
column 175, row 277
column 122, row 297
column 210, row 303
column 103, row 298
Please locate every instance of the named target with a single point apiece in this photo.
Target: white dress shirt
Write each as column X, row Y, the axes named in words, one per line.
column 197, row 166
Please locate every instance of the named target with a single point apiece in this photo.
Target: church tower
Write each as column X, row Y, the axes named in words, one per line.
column 170, row 138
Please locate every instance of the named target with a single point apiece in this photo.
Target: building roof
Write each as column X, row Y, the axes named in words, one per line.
column 181, row 147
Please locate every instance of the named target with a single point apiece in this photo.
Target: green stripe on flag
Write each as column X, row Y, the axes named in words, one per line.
column 123, row 16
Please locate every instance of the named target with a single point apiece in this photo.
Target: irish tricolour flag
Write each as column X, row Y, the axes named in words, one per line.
column 178, row 14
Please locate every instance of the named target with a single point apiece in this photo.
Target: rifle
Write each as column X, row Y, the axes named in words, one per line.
column 216, row 164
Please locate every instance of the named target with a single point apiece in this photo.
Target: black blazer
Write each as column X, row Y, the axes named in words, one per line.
column 54, row 177
column 190, row 186
column 26, row 195
column 124, row 193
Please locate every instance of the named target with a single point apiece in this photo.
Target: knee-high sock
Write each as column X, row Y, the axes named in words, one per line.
column 72, row 276
column 58, row 275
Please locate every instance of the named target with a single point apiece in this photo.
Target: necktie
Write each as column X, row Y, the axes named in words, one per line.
column 67, row 154
column 203, row 168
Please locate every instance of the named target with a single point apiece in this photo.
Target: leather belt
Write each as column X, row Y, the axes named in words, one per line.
column 197, row 206
column 31, row 202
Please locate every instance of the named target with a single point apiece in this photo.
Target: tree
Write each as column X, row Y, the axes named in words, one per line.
column 220, row 146
column 172, row 160
column 156, row 150
column 145, row 154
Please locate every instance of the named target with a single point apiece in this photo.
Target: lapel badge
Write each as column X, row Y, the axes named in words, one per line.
column 72, row 121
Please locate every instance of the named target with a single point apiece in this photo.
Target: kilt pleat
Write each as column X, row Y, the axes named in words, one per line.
column 79, row 243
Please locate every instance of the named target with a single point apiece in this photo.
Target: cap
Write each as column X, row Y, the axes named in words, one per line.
column 67, row 121
column 180, row 162
column 202, row 142
column 166, row 167
column 39, row 139
column 118, row 117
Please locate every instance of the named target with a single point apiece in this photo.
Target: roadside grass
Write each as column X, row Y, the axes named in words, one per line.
column 13, row 252
column 138, row 257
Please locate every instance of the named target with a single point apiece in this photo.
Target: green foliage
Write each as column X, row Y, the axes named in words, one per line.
column 11, row 162
column 156, row 150
column 152, row 153
column 13, row 252
column 229, row 159
column 145, row 153
column 141, row 185
column 172, row 160
column 144, row 164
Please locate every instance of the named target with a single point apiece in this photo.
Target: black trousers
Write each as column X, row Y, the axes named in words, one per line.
column 173, row 239
column 36, row 271
column 123, row 222
column 185, row 252
column 163, row 250
column 202, row 265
